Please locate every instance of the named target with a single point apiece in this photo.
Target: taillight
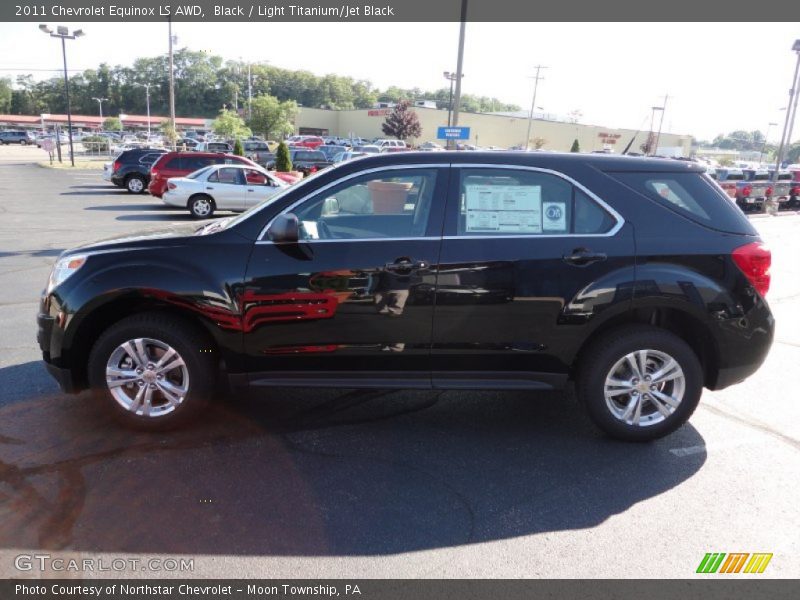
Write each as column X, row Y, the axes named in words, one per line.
column 313, row 169
column 754, row 261
column 747, row 190
column 795, row 191
column 769, row 191
column 117, row 165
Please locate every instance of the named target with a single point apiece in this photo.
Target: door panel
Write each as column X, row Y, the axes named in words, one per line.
column 354, row 296
column 520, row 302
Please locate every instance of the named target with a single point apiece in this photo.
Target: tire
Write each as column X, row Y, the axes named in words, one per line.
column 616, row 414
column 23, row 143
column 201, row 206
column 135, row 184
column 151, row 400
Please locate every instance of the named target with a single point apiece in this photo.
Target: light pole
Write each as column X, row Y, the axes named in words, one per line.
column 790, row 108
column 451, row 77
column 100, row 102
column 174, row 132
column 459, row 66
column 653, row 140
column 766, row 139
column 147, row 92
column 533, row 104
column 64, row 34
column 661, row 122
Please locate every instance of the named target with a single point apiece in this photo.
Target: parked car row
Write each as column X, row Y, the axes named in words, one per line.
column 751, row 188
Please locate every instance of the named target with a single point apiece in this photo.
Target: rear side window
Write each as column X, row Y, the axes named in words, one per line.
column 693, row 195
column 174, row 163
column 497, row 202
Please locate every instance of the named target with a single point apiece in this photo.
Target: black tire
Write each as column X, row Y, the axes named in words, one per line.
column 598, row 361
column 23, row 143
column 195, row 202
column 135, row 184
column 191, row 344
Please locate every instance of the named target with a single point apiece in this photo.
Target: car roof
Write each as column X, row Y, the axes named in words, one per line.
column 550, row 160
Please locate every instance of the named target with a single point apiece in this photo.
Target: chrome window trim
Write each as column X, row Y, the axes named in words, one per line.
column 261, row 238
column 610, row 233
column 620, row 220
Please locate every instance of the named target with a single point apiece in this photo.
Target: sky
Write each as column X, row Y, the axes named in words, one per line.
column 614, row 73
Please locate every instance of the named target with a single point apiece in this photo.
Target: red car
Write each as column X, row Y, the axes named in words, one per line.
column 306, row 141
column 180, row 164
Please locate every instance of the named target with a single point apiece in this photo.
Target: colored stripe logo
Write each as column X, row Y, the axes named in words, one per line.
column 735, row 562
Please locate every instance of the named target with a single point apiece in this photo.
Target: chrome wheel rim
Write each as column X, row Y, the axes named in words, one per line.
column 201, row 207
column 135, row 185
column 147, row 377
column 644, row 388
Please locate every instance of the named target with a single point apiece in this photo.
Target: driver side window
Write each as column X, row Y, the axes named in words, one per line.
column 388, row 204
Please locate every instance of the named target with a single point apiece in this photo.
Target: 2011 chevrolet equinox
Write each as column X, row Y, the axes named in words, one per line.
column 636, row 278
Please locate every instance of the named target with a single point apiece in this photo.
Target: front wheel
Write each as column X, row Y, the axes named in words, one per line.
column 640, row 383
column 201, row 207
column 154, row 371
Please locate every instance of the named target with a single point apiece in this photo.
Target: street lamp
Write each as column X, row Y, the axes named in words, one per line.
column 653, row 140
column 791, row 108
column 100, row 102
column 147, row 92
column 536, row 80
column 451, row 77
column 64, row 34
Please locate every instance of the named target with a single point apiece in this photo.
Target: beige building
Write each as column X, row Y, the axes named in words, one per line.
column 488, row 130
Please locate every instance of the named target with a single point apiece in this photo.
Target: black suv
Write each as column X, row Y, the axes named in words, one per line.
column 17, row 137
column 635, row 278
column 305, row 160
column 131, row 169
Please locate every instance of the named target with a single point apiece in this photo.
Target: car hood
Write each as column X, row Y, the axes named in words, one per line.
column 169, row 235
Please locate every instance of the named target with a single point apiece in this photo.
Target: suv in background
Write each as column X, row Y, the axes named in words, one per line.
column 390, row 145
column 213, row 147
column 23, row 138
column 131, row 169
column 178, row 164
column 304, row 160
column 636, row 278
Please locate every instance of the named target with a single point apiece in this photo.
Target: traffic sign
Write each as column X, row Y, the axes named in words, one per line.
column 452, row 133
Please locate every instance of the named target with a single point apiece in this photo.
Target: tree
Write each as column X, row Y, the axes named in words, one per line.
column 112, row 124
column 238, row 149
column 5, row 95
column 539, row 142
column 576, row 147
column 230, row 125
column 271, row 117
column 283, row 162
column 402, row 122
column 168, row 132
column 793, row 155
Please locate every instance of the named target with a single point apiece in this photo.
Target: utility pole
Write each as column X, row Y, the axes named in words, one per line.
column 789, row 117
column 171, row 86
column 147, row 92
column 249, row 94
column 536, row 80
column 459, row 64
column 661, row 122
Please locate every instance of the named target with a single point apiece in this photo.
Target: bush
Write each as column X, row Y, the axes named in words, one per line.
column 95, row 143
column 576, row 147
column 238, row 149
column 282, row 161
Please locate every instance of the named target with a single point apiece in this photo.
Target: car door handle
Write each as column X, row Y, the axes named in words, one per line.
column 250, row 190
column 208, row 187
column 581, row 257
column 406, row 264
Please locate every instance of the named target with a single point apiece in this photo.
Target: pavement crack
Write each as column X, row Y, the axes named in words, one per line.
column 762, row 427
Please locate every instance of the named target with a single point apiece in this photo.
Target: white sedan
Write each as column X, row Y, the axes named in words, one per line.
column 221, row 187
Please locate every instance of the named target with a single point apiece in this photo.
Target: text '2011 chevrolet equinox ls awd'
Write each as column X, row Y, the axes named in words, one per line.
column 636, row 278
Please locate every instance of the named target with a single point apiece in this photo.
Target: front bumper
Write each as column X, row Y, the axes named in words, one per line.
column 44, row 332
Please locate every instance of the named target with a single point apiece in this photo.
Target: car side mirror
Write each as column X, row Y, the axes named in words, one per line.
column 285, row 229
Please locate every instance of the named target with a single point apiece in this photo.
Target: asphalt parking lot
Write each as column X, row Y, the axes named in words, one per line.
column 341, row 483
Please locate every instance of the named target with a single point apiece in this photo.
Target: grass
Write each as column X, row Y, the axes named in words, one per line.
column 82, row 164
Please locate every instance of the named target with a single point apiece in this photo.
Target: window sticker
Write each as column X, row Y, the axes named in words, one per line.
column 554, row 216
column 504, row 208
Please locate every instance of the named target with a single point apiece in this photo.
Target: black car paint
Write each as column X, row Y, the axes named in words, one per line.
column 135, row 162
column 522, row 319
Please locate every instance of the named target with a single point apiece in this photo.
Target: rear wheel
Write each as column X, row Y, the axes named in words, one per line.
column 135, row 184
column 154, row 371
column 201, row 207
column 23, row 142
column 640, row 383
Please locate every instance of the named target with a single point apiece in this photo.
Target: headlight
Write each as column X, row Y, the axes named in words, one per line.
column 64, row 268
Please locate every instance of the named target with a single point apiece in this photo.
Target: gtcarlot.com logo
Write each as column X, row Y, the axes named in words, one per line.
column 46, row 562
column 736, row 562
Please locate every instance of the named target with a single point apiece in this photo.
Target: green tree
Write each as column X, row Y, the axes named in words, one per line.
column 271, row 117
column 112, row 124
column 576, row 147
column 238, row 149
column 402, row 122
column 793, row 155
column 230, row 125
column 168, row 132
column 283, row 161
column 5, row 95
